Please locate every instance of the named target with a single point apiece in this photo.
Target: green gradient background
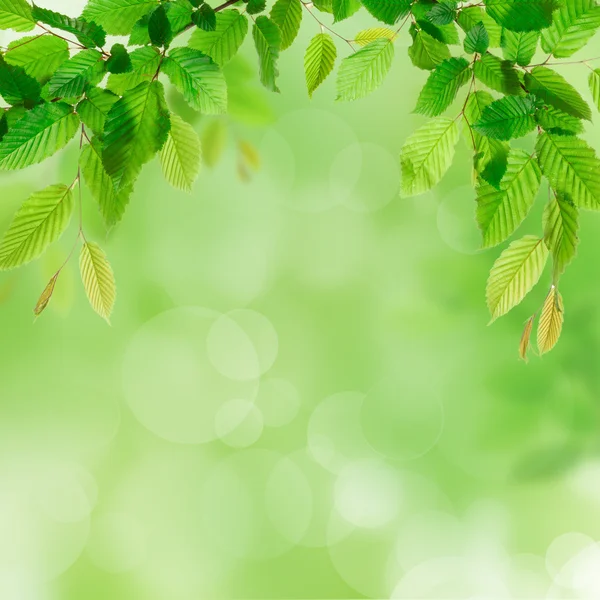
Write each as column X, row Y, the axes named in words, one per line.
column 299, row 396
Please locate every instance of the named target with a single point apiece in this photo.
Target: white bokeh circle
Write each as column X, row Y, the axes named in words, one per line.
column 169, row 379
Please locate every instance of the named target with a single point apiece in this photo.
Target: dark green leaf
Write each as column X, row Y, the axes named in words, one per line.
column 477, row 39
column 90, row 35
column 507, row 118
column 205, row 18
column 16, row 87
column 388, row 11
column 119, row 60
column 522, row 15
column 426, row 52
column 159, row 27
column 443, row 13
column 498, row 74
column 253, row 7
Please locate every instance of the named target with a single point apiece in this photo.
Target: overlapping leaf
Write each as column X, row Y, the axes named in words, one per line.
column 500, row 212
column 552, row 88
column 497, row 74
column 224, row 42
column 561, row 222
column 364, row 71
column 144, row 66
column 198, row 78
column 136, row 128
column 442, row 86
column 39, row 56
column 388, row 11
column 287, row 15
column 426, row 52
column 572, row 27
column 71, row 78
column 181, row 155
column 267, row 40
column 42, row 131
column 90, row 35
column 572, row 168
column 366, row 36
column 507, row 118
column 16, row 14
column 522, row 15
column 117, row 16
column 111, row 201
column 520, row 47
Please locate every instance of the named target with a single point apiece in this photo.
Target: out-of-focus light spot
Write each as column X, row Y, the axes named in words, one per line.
column 239, row 423
column 117, row 542
column 278, row 400
column 456, row 221
column 368, row 494
column 335, row 435
column 401, row 419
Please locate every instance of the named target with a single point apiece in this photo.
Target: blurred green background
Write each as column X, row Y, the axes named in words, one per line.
column 299, row 396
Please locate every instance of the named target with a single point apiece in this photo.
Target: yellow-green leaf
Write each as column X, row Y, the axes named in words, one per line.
column 515, row 273
column 181, row 155
column 98, row 279
column 42, row 303
column 551, row 321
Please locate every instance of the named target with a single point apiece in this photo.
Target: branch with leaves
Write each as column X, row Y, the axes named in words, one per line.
column 62, row 80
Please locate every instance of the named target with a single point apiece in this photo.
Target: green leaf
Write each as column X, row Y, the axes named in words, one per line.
column 136, row 128
column 519, row 48
column 40, row 221
column 318, row 61
column 144, row 64
column 94, row 108
column 442, row 86
column 267, row 39
column 572, row 168
column 477, row 39
column 287, row 15
column 497, row 74
column 366, row 36
column 443, row 13
column 507, row 118
column 198, row 78
column 16, row 87
column 515, row 273
column 500, row 212
column 111, row 202
column 98, row 279
column 573, row 26
column 561, row 222
column 159, row 27
column 16, row 14
column 553, row 89
column 253, row 7
column 88, row 34
column 40, row 133
column 364, row 71
column 39, row 56
column 522, row 15
column 471, row 16
column 117, row 16
column 179, row 14
column 71, row 78
column 181, row 155
column 594, row 83
column 551, row 118
column 427, row 154
column 388, row 11
column 447, row 34
column 205, row 18
column 426, row 52
column 119, row 60
column 224, row 42
column 551, row 322
column 342, row 9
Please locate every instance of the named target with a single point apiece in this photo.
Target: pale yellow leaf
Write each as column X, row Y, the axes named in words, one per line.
column 525, row 337
column 551, row 321
column 98, row 279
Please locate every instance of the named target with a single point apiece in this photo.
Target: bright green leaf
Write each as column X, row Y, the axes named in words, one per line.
column 287, row 15
column 40, row 221
column 561, row 222
column 507, row 118
column 519, row 48
column 267, row 39
column 117, row 16
column 427, row 154
column 388, row 11
column 364, row 71
column 16, row 14
column 94, row 108
column 522, row 15
column 181, row 155
column 477, row 39
column 515, row 273
column 71, row 78
column 318, row 61
column 40, row 133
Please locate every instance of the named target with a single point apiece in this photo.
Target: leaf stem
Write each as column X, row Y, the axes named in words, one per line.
column 323, row 26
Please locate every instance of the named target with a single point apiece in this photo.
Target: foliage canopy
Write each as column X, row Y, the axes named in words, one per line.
column 63, row 82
